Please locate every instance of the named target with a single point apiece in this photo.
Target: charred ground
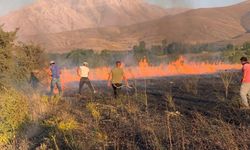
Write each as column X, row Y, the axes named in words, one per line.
column 184, row 112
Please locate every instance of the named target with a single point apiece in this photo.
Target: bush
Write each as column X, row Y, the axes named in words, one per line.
column 17, row 61
column 14, row 112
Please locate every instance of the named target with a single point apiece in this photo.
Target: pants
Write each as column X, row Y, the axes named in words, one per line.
column 87, row 81
column 34, row 82
column 116, row 88
column 244, row 93
column 57, row 82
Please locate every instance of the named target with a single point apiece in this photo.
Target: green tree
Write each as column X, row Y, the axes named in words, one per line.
column 30, row 57
column 17, row 60
column 246, row 46
column 230, row 47
column 78, row 56
column 157, row 50
column 174, row 48
column 140, row 50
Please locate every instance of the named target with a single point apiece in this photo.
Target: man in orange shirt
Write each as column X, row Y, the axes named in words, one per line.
column 245, row 82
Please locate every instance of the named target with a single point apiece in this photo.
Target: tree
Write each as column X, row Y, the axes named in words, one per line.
column 174, row 48
column 140, row 51
column 230, row 46
column 157, row 50
column 78, row 56
column 6, row 55
column 17, row 60
column 246, row 46
column 30, row 57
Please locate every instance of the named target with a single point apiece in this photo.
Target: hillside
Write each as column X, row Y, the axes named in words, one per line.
column 209, row 25
column 194, row 26
column 53, row 16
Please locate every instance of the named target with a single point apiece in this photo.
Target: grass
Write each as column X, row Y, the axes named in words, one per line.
column 14, row 113
column 191, row 84
column 169, row 122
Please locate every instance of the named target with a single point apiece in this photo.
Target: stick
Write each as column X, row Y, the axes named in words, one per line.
column 119, row 87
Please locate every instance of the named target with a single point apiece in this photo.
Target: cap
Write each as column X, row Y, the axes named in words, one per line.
column 52, row 62
column 85, row 63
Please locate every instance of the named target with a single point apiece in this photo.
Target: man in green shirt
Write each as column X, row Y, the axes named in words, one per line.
column 116, row 76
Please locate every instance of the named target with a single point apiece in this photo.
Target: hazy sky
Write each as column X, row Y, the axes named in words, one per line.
column 195, row 3
column 9, row 5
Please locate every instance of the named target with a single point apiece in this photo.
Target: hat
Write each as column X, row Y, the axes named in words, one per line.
column 52, row 62
column 118, row 62
column 85, row 63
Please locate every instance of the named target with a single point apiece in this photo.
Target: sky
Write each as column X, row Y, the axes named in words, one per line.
column 195, row 3
column 10, row 5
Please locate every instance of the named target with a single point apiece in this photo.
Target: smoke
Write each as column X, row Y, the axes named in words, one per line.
column 174, row 3
column 194, row 3
column 181, row 3
column 7, row 6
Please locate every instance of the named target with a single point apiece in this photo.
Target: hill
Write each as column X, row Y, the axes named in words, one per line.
column 209, row 25
column 53, row 16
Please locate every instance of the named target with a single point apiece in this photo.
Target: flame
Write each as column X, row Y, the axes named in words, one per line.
column 144, row 70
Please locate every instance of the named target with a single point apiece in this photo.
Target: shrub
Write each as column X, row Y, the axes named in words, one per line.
column 94, row 111
column 14, row 112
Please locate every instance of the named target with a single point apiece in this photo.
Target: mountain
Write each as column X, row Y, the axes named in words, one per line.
column 53, row 16
column 207, row 25
column 245, row 21
column 196, row 26
column 210, row 25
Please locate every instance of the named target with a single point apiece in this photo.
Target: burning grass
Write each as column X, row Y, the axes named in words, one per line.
column 179, row 67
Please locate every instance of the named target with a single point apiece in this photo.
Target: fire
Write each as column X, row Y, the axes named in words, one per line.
column 144, row 70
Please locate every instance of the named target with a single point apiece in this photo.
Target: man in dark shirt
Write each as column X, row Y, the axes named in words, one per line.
column 34, row 81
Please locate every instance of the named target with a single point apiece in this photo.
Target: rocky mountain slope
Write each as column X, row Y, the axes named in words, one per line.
column 53, row 16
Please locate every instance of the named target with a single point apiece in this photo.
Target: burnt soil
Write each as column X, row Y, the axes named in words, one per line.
column 205, row 94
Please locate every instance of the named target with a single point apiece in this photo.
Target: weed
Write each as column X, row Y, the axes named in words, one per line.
column 191, row 85
column 227, row 78
column 94, row 111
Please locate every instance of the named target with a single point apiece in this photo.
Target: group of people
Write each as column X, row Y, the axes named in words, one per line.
column 117, row 76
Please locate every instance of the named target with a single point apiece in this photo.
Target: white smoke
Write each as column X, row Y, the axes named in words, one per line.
column 194, row 3
column 173, row 3
column 10, row 5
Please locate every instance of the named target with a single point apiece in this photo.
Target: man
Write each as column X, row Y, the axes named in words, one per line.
column 55, row 73
column 116, row 77
column 83, row 73
column 245, row 86
column 34, row 81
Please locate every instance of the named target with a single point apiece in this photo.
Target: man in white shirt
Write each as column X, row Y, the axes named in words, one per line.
column 83, row 72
